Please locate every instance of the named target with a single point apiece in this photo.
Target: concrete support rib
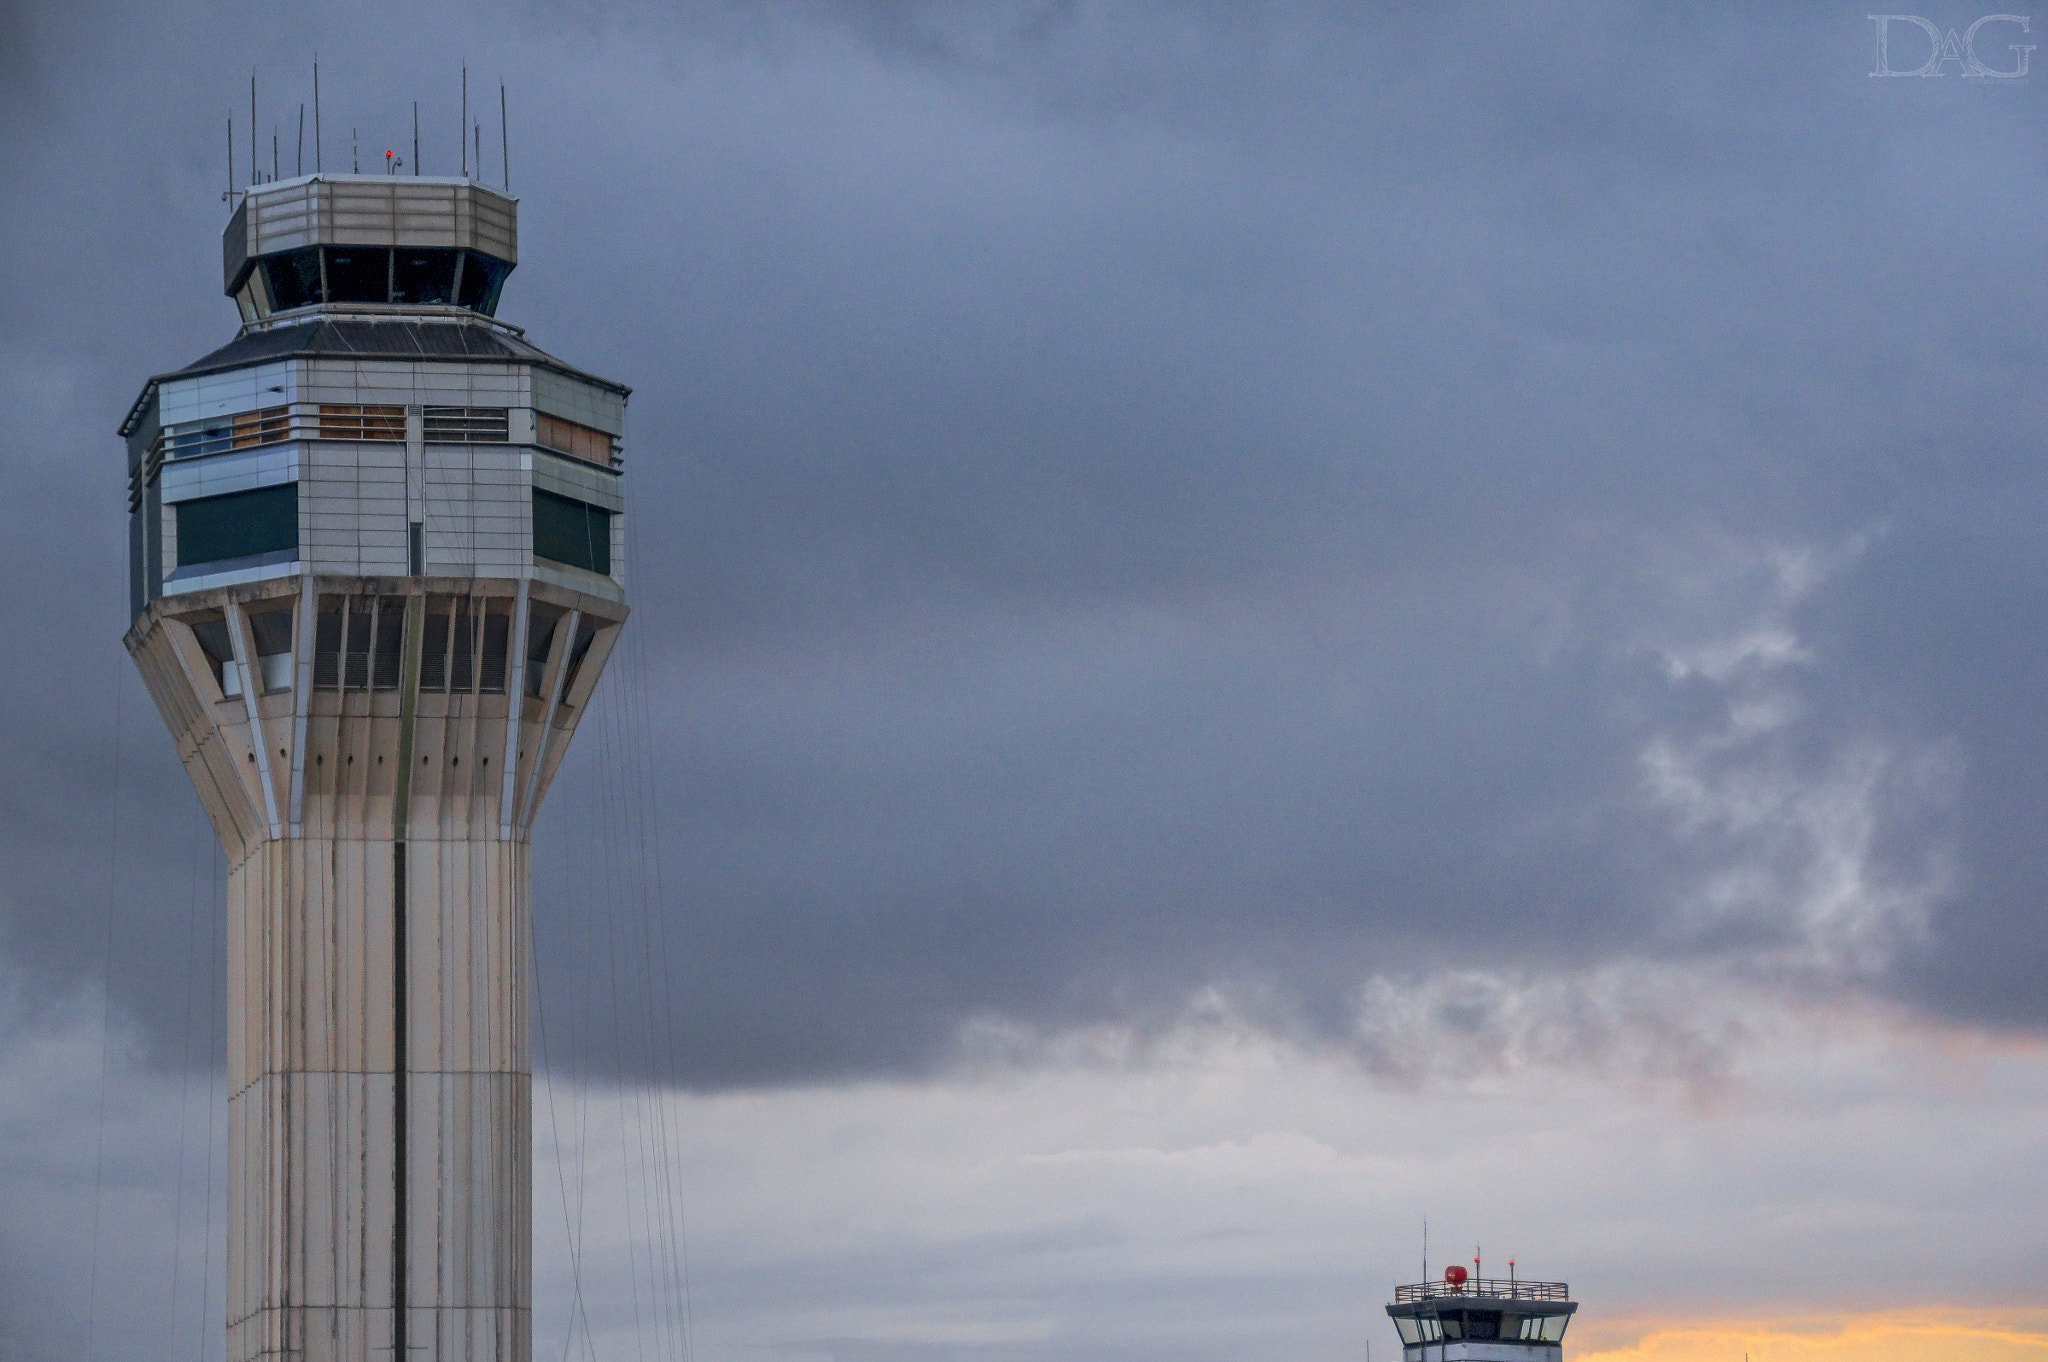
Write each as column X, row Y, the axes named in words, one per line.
column 380, row 965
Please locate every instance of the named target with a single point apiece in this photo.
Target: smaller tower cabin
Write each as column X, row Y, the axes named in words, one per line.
column 1482, row 1319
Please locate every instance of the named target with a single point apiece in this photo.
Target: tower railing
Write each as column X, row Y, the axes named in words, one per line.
column 1499, row 1288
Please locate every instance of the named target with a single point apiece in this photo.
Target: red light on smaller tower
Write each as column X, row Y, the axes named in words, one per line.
column 1454, row 1277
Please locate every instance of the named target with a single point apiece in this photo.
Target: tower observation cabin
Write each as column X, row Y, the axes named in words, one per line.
column 376, row 566
column 1466, row 1318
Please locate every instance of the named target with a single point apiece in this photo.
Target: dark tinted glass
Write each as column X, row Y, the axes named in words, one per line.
column 358, row 274
column 460, row 666
column 327, row 646
column 238, row 525
column 586, row 634
column 294, row 278
column 423, row 276
column 214, row 642
column 434, row 645
column 388, row 650
column 540, row 636
column 356, row 669
column 272, row 632
column 572, row 532
column 482, row 277
column 497, row 642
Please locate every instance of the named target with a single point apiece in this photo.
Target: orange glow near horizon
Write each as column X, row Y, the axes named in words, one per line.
column 1930, row 1335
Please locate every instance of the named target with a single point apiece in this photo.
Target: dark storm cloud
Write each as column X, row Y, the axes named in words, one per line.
column 1136, row 498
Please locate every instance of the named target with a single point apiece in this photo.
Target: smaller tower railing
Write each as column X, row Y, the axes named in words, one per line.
column 1499, row 1288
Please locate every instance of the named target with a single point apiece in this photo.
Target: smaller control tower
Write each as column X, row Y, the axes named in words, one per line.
column 1484, row 1319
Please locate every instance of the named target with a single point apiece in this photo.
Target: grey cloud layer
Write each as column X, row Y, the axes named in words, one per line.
column 1136, row 499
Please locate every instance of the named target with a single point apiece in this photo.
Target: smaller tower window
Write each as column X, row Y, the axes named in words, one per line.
column 389, row 646
column 586, row 634
column 462, row 651
column 238, row 525
column 362, row 423
column 241, row 430
column 327, row 644
column 540, row 636
column 434, row 645
column 572, row 532
column 491, row 667
column 270, row 631
column 466, row 425
column 211, row 631
column 566, row 437
column 355, row 670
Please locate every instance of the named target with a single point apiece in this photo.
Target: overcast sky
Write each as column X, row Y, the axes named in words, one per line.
column 1252, row 622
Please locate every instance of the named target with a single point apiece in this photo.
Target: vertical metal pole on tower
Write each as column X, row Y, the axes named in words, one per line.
column 465, row 122
column 503, row 149
column 316, row 115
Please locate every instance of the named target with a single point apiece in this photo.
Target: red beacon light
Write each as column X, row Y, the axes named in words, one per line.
column 1454, row 1277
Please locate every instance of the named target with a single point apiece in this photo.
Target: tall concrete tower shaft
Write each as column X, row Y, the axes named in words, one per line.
column 376, row 551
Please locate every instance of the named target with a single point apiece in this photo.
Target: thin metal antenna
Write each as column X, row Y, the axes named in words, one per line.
column 465, row 122
column 415, row 137
column 503, row 149
column 1425, row 1249
column 231, row 159
column 316, row 115
column 302, row 139
column 273, row 151
column 355, row 153
column 252, row 127
column 478, row 129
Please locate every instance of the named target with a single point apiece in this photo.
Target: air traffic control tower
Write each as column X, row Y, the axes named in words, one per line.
column 1468, row 1318
column 375, row 569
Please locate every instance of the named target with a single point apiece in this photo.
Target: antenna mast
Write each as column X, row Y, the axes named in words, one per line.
column 503, row 149
column 302, row 139
column 465, row 122
column 316, row 115
column 252, row 127
column 415, row 137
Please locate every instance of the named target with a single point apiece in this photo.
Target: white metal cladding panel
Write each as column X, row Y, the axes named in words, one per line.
column 416, row 382
column 574, row 400
column 220, row 474
column 231, row 577
column 354, row 506
column 574, row 478
column 208, row 395
column 476, row 508
column 382, row 210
